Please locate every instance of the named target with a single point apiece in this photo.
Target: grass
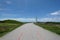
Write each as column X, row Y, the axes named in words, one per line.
column 6, row 27
column 54, row 27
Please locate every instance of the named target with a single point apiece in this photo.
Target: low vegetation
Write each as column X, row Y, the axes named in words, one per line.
column 8, row 25
column 51, row 26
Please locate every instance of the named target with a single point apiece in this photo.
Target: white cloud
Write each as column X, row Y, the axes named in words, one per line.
column 49, row 20
column 8, row 15
column 8, row 2
column 56, row 13
column 2, row 9
column 34, row 20
column 21, row 19
column 25, row 19
column 5, row 9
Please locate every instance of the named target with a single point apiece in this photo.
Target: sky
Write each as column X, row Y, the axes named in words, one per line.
column 28, row 10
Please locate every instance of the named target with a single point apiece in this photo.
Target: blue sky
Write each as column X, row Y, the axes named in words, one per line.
column 27, row 10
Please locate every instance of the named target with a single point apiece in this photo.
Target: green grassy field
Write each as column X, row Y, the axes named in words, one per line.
column 51, row 26
column 8, row 25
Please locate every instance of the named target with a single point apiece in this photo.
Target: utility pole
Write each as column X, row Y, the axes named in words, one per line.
column 36, row 20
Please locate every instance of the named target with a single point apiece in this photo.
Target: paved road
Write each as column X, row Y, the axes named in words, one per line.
column 30, row 32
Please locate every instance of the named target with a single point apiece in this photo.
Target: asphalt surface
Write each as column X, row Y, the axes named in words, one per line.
column 30, row 31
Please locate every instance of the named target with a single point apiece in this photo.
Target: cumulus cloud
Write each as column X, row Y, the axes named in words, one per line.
column 21, row 19
column 56, row 13
column 34, row 20
column 49, row 20
column 10, row 16
column 25, row 19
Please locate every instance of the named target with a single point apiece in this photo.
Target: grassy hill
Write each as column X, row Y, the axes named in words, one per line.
column 8, row 25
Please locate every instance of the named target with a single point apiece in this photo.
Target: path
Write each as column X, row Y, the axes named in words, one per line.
column 30, row 32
